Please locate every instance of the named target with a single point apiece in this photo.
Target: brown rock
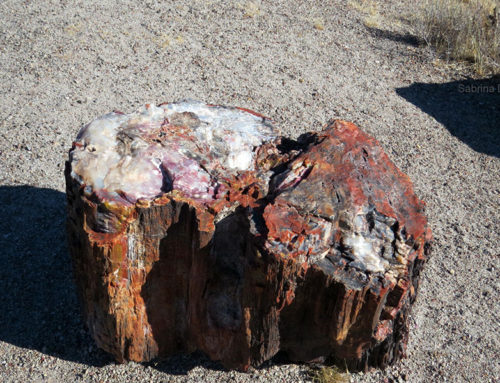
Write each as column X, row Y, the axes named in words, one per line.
column 312, row 247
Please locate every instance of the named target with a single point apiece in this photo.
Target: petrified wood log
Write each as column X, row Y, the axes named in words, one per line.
column 195, row 227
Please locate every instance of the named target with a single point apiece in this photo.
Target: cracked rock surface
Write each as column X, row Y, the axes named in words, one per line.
column 198, row 227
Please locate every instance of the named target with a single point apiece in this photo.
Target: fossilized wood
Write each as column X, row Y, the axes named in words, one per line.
column 312, row 247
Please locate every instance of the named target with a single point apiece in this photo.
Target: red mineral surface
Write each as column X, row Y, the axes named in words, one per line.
column 196, row 227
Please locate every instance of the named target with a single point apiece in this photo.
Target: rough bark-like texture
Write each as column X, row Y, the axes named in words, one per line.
column 316, row 252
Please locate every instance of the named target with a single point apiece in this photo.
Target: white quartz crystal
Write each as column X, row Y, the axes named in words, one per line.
column 183, row 146
column 366, row 252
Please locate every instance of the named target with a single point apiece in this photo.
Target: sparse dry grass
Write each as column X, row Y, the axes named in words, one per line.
column 369, row 8
column 319, row 24
column 250, row 9
column 329, row 374
column 464, row 30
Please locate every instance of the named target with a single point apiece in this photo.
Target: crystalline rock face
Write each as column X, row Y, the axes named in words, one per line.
column 184, row 146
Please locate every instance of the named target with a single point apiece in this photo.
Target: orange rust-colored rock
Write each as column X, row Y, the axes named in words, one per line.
column 315, row 252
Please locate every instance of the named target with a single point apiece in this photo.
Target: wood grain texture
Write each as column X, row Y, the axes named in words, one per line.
column 317, row 253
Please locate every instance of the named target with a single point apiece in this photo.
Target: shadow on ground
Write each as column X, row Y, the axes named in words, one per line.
column 405, row 38
column 469, row 109
column 39, row 308
column 181, row 364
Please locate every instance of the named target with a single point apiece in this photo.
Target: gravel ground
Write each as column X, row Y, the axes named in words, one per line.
column 64, row 63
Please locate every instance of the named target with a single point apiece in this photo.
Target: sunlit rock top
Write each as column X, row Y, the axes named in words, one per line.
column 185, row 146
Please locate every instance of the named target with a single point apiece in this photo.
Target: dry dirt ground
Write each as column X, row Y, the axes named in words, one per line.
column 301, row 63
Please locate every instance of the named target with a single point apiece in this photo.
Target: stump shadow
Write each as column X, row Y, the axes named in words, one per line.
column 182, row 364
column 469, row 109
column 38, row 298
column 404, row 38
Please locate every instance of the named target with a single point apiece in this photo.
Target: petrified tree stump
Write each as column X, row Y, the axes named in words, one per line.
column 195, row 227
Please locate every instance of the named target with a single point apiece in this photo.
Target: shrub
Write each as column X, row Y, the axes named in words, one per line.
column 463, row 30
column 329, row 374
